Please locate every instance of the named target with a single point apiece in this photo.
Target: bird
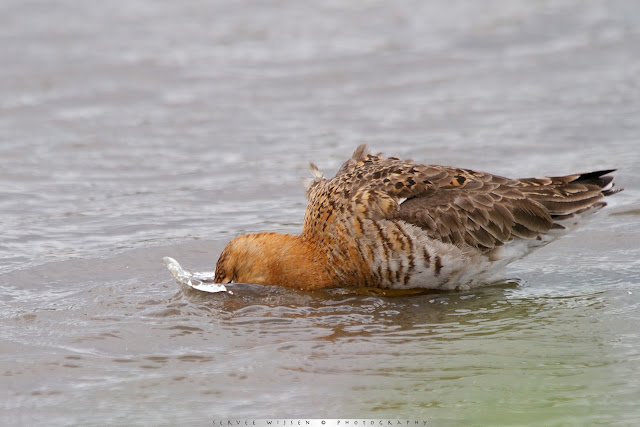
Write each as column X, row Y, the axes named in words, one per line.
column 383, row 222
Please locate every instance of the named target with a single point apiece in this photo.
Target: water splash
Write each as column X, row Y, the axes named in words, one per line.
column 193, row 280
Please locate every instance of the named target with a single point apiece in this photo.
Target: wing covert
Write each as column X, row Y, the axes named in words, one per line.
column 454, row 205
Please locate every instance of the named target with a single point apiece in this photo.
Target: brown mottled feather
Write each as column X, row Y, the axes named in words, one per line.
column 459, row 206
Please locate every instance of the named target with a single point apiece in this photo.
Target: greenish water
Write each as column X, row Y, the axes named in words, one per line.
column 130, row 131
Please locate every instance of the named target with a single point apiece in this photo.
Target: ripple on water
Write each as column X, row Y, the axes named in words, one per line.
column 103, row 176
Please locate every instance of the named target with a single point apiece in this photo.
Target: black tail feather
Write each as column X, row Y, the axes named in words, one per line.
column 598, row 178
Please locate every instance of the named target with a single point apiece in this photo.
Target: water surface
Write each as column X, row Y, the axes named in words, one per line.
column 130, row 131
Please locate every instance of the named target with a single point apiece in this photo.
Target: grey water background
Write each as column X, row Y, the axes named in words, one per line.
column 133, row 130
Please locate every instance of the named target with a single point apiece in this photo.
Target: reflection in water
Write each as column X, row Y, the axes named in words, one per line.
column 431, row 349
column 344, row 313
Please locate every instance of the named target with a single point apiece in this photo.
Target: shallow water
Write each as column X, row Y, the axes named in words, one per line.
column 130, row 131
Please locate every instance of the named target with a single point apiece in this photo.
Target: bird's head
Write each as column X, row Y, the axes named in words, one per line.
column 270, row 259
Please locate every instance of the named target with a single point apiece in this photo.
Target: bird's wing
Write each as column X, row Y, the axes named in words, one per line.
column 454, row 205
